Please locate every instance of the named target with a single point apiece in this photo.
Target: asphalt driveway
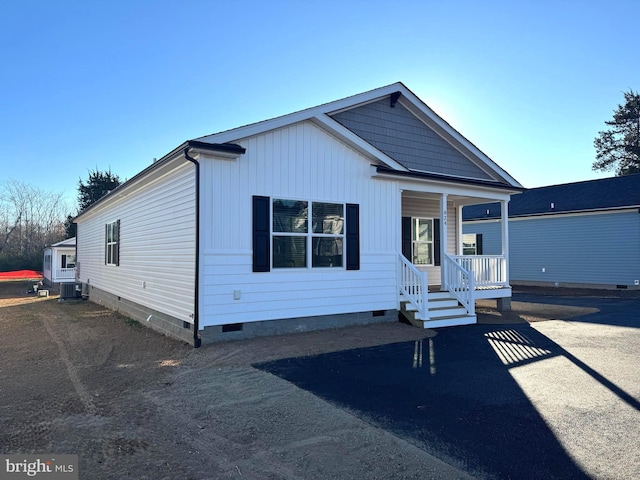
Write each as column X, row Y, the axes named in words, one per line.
column 507, row 399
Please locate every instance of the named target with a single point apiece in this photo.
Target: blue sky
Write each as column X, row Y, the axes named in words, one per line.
column 113, row 84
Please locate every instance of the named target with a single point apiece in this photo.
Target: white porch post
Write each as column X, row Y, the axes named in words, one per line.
column 443, row 235
column 398, row 238
column 504, row 215
column 459, row 246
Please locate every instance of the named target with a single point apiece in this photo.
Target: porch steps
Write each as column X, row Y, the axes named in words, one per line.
column 444, row 311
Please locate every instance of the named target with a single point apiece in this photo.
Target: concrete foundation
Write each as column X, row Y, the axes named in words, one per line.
column 149, row 317
column 503, row 304
column 592, row 286
column 176, row 328
column 238, row 331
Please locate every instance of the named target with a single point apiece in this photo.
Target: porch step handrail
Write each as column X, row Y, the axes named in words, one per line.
column 460, row 282
column 413, row 285
column 489, row 270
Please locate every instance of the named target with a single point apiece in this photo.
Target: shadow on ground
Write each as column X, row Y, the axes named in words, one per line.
column 599, row 307
column 451, row 395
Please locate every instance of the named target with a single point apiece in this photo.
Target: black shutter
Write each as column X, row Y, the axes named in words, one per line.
column 478, row 244
column 106, row 240
column 353, row 236
column 406, row 238
column 436, row 242
column 261, row 234
column 117, row 245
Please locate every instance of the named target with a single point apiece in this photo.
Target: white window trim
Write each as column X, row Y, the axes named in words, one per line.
column 309, row 236
column 111, row 246
column 414, row 242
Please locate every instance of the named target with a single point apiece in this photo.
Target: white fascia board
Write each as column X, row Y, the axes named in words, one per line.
column 239, row 133
column 218, row 155
column 152, row 173
column 343, row 133
column 484, row 193
column 453, row 133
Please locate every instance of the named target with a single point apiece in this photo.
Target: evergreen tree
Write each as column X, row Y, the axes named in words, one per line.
column 619, row 147
column 69, row 227
column 97, row 186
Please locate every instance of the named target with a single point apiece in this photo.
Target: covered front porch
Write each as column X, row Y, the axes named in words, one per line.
column 59, row 265
column 439, row 277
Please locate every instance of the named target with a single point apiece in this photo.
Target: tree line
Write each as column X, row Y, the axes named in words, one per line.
column 32, row 218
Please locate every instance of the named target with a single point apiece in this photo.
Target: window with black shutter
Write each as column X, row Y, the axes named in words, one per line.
column 291, row 233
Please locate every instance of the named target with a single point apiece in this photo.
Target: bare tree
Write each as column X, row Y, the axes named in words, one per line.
column 30, row 219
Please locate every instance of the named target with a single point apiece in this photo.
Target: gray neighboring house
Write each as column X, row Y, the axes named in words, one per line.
column 576, row 234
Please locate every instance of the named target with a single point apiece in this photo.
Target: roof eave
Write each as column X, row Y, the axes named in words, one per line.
column 224, row 148
column 257, row 128
column 445, row 178
column 558, row 212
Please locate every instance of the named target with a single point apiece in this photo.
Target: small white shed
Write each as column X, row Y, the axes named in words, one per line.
column 59, row 263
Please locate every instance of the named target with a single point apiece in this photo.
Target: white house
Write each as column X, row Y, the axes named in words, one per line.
column 59, row 263
column 339, row 214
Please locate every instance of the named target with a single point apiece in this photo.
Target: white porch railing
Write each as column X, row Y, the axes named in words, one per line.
column 65, row 274
column 489, row 270
column 413, row 285
column 460, row 282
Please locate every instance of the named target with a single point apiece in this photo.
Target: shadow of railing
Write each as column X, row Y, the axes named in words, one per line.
column 451, row 395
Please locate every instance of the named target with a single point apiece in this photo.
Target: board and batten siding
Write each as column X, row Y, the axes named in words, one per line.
column 157, row 244
column 300, row 162
column 414, row 206
column 598, row 248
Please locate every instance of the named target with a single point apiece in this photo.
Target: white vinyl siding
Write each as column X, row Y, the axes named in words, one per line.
column 296, row 162
column 157, row 243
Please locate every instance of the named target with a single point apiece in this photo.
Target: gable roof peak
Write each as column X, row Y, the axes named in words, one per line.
column 398, row 92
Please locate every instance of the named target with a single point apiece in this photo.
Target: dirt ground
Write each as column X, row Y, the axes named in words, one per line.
column 78, row 379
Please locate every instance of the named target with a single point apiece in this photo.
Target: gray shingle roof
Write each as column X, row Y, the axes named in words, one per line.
column 603, row 194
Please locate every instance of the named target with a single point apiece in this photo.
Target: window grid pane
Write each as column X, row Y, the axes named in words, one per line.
column 289, row 251
column 290, row 216
column 326, row 252
column 422, row 253
column 328, row 218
